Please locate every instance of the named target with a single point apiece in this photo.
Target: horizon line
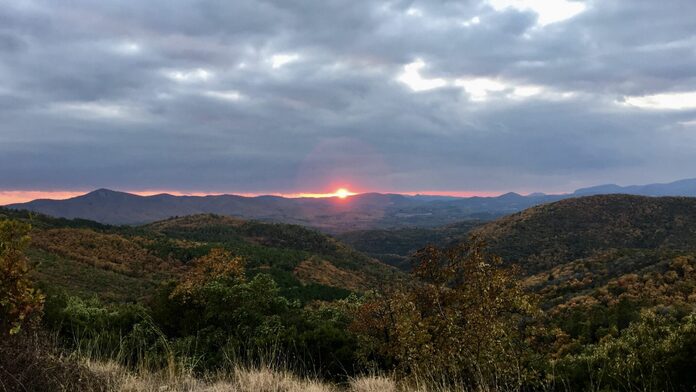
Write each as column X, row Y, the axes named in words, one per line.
column 16, row 196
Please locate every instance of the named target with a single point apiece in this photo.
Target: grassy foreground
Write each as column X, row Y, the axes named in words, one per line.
column 32, row 363
column 265, row 379
column 239, row 379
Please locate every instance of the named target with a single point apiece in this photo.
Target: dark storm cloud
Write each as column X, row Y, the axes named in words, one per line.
column 286, row 96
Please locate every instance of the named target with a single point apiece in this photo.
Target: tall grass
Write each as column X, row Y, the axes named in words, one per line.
column 259, row 379
column 129, row 368
column 146, row 360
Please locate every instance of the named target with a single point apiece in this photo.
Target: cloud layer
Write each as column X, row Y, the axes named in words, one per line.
column 299, row 96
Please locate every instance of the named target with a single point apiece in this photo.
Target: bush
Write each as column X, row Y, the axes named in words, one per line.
column 654, row 353
column 123, row 333
column 19, row 301
column 30, row 362
column 223, row 318
column 464, row 319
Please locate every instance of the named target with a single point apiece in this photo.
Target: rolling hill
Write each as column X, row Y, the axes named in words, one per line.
column 602, row 250
column 548, row 235
column 127, row 263
column 566, row 249
column 394, row 247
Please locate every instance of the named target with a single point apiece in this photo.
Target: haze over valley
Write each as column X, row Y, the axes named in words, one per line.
column 332, row 213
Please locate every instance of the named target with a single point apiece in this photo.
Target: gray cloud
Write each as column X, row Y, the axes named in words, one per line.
column 186, row 95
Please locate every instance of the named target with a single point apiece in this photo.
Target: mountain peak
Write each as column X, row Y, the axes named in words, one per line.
column 510, row 195
column 103, row 193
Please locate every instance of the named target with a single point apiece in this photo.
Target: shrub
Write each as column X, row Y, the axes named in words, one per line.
column 19, row 301
column 654, row 353
column 30, row 362
column 213, row 314
column 464, row 318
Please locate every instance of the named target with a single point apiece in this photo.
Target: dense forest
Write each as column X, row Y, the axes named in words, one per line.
column 594, row 293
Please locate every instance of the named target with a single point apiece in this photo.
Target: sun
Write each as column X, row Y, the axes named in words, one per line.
column 342, row 193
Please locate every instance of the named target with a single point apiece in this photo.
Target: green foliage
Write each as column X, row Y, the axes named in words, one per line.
column 53, row 272
column 395, row 247
column 212, row 228
column 214, row 316
column 122, row 264
column 228, row 319
column 654, row 353
column 170, row 249
column 590, row 324
column 125, row 333
column 315, row 292
column 44, row 221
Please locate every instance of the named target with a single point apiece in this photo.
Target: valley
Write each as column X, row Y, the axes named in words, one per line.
column 591, row 271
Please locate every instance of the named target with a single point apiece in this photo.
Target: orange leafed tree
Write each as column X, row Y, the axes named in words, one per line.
column 463, row 316
column 19, row 301
column 218, row 263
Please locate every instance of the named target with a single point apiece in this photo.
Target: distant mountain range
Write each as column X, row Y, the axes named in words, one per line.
column 677, row 188
column 359, row 212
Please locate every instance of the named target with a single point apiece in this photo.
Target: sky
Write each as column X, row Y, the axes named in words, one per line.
column 293, row 96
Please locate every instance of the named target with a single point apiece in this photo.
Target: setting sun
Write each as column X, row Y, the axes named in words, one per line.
column 343, row 193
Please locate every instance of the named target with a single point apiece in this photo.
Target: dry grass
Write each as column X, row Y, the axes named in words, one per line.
column 240, row 380
column 373, row 384
column 29, row 362
column 264, row 379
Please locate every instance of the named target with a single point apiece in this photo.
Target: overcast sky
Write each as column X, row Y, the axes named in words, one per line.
column 288, row 96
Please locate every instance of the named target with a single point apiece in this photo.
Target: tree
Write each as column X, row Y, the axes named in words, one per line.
column 218, row 264
column 464, row 318
column 654, row 353
column 19, row 301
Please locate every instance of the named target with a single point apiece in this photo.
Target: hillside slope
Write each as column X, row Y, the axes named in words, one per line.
column 121, row 263
column 395, row 247
column 545, row 236
column 287, row 251
column 600, row 249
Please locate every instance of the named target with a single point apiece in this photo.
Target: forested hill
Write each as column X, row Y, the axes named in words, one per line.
column 124, row 263
column 396, row 247
column 548, row 235
column 601, row 254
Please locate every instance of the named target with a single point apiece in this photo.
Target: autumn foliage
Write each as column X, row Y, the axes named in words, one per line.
column 19, row 301
column 217, row 264
column 463, row 318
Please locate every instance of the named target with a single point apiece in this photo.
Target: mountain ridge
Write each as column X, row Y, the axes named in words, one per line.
column 613, row 249
column 334, row 215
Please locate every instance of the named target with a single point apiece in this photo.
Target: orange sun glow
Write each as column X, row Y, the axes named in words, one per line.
column 342, row 193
